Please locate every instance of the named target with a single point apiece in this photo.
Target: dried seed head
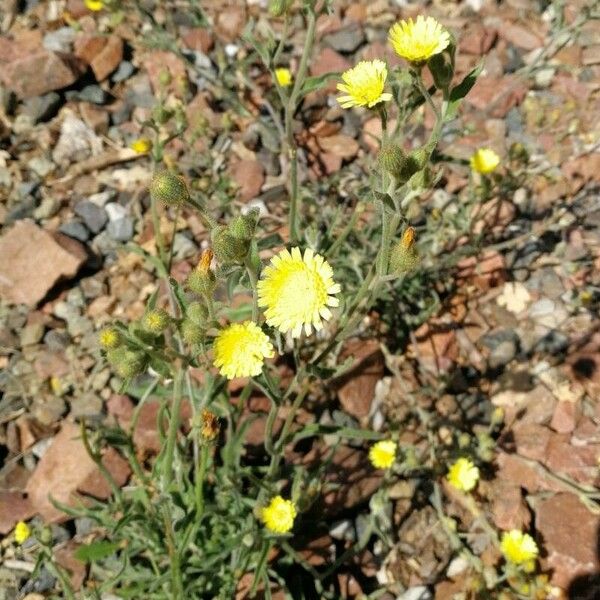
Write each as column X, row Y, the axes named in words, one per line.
column 209, row 429
column 404, row 256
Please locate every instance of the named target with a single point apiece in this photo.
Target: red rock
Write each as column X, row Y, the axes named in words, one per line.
column 509, row 510
column 96, row 118
column 519, row 36
column 199, row 39
column 569, row 532
column 108, row 59
column 484, row 272
column 591, row 55
column 66, row 468
column 515, row 470
column 577, row 462
column 531, row 440
column 39, row 72
column 162, row 61
column 477, row 39
column 231, row 22
column 497, row 96
column 51, row 364
column 565, row 417
column 87, row 46
column 328, row 61
column 436, row 346
column 33, row 261
column 339, row 144
column 65, row 557
column 354, row 476
column 358, row 386
column 249, row 176
column 14, row 507
column 331, row 162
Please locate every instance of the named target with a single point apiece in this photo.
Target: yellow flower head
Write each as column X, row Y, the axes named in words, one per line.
column 284, row 76
column 519, row 548
column 383, row 454
column 463, row 475
column 22, row 532
column 110, row 338
column 240, row 350
column 364, row 84
column 141, row 145
column 94, row 5
column 297, row 291
column 279, row 515
column 417, row 41
column 484, row 161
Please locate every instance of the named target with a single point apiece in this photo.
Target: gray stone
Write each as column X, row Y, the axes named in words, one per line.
column 104, row 244
column 5, row 177
column 93, row 216
column 32, row 334
column 47, row 208
column 124, row 71
column 121, row 230
column 418, row 592
column 502, row 354
column 57, row 339
column 84, row 526
column 101, row 198
column 59, row 40
column 346, row 40
column 20, row 210
column 44, row 582
column 76, row 230
column 65, row 310
column 115, row 211
column 183, row 247
column 41, row 166
column 86, row 406
column 79, row 326
column 92, row 287
column 90, row 93
column 42, row 108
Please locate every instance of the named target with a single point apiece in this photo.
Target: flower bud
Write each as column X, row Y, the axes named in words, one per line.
column 518, row 153
column 170, row 188
column 197, row 313
column 202, row 280
column 404, row 256
column 229, row 250
column 392, row 158
column 278, row 8
column 127, row 363
column 243, row 226
column 156, row 321
column 161, row 115
column 110, row 338
column 192, row 333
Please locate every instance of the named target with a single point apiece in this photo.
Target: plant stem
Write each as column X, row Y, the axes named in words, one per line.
column 253, row 276
column 358, row 209
column 160, row 242
column 167, row 464
column 199, row 476
column 177, row 585
column 290, row 109
column 425, row 92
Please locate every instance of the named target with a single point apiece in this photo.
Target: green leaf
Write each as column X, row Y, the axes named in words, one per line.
column 96, row 551
column 386, row 200
column 314, row 83
column 459, row 91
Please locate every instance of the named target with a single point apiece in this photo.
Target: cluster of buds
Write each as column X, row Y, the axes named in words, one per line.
column 231, row 243
column 127, row 360
column 409, row 168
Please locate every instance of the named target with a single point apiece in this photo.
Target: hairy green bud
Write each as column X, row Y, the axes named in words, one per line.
column 278, row 8
column 192, row 332
column 197, row 312
column 202, row 280
column 518, row 153
column 229, row 250
column 110, row 338
column 127, row 363
column 170, row 188
column 393, row 159
column 244, row 226
column 156, row 321
column 404, row 256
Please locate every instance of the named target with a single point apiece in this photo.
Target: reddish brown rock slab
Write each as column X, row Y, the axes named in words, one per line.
column 566, row 416
column 198, row 39
column 340, row 145
column 520, row 36
column 570, row 538
column 357, row 388
column 231, row 22
column 509, row 510
column 249, row 175
column 14, row 507
column 30, row 70
column 108, row 59
column 162, row 61
column 87, row 46
column 34, row 260
column 497, row 95
column 577, row 462
column 66, row 469
column 356, row 478
column 516, row 470
column 477, row 39
column 436, row 347
column 328, row 61
column 65, row 557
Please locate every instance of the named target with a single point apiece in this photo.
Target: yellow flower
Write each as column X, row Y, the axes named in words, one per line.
column 110, row 338
column 519, row 548
column 284, row 76
column 94, row 5
column 22, row 532
column 297, row 291
column 240, row 350
column 417, row 41
column 383, row 454
column 364, row 84
column 484, row 160
column 141, row 145
column 463, row 475
column 279, row 515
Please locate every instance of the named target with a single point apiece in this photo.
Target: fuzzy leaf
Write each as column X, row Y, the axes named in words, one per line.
column 96, row 551
column 459, row 91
